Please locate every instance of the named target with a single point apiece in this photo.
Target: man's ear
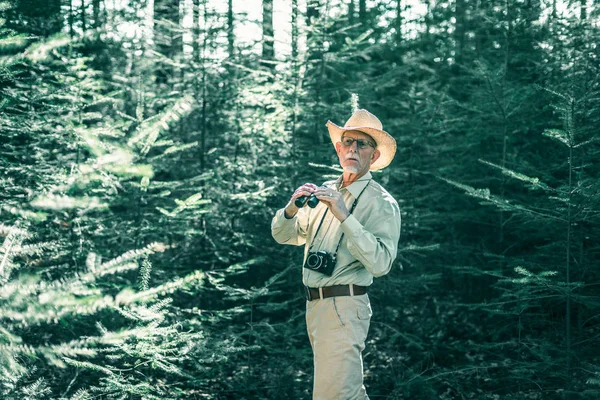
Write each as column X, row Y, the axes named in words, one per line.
column 338, row 146
column 375, row 156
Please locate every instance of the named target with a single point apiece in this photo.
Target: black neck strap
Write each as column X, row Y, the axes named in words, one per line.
column 325, row 213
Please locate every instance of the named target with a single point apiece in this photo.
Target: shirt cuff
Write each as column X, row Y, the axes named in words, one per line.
column 284, row 217
column 350, row 226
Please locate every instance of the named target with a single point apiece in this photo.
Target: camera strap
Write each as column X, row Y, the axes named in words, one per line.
column 318, row 229
column 323, row 219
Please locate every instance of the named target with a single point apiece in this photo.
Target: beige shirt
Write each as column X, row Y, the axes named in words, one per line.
column 370, row 240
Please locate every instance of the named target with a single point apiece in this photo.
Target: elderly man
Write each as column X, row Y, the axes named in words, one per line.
column 350, row 235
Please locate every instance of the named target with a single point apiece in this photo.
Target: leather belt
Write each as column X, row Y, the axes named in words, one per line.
column 333, row 291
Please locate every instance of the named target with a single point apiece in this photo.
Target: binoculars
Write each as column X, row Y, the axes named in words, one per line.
column 311, row 200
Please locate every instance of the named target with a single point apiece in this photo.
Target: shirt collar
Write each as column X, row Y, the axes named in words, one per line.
column 358, row 186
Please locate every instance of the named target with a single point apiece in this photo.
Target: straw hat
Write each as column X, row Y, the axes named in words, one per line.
column 365, row 122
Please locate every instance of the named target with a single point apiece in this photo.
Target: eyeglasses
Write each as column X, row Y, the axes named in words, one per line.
column 361, row 143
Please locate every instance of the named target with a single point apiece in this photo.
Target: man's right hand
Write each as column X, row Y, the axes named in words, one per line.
column 305, row 190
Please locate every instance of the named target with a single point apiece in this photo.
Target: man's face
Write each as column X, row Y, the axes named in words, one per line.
column 356, row 152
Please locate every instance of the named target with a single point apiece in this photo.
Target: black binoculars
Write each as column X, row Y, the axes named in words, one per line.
column 311, row 200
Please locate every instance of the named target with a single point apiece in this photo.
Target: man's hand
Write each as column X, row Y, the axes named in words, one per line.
column 305, row 190
column 333, row 200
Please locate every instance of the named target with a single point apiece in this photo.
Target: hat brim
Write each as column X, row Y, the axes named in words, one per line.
column 386, row 144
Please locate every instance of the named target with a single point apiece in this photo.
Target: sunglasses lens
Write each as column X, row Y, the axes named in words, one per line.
column 360, row 143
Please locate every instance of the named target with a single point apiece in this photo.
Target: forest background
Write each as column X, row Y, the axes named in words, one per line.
column 147, row 145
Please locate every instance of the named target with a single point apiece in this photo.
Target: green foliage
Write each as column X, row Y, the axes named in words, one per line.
column 140, row 171
column 76, row 178
column 144, row 340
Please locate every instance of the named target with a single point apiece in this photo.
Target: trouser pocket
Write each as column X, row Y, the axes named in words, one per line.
column 339, row 311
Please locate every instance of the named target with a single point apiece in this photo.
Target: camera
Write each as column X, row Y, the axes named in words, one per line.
column 320, row 261
column 311, row 200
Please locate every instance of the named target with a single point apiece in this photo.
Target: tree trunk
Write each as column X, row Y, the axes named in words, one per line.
column 459, row 34
column 398, row 22
column 168, row 40
column 96, row 13
column 351, row 12
column 362, row 13
column 230, row 34
column 71, row 31
column 83, row 21
column 268, row 51
column 428, row 18
column 294, row 32
column 568, row 265
column 41, row 19
column 196, row 33
column 204, row 94
column 297, row 82
column 583, row 10
column 312, row 11
column 533, row 11
column 505, row 126
column 312, row 15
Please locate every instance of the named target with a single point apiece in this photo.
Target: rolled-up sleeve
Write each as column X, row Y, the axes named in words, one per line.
column 290, row 231
column 375, row 244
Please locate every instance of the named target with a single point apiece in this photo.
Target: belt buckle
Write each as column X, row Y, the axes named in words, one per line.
column 307, row 293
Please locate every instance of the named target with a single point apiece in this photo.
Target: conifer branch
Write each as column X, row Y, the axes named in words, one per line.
column 150, row 133
column 505, row 205
column 145, row 274
column 11, row 241
column 534, row 182
column 87, row 365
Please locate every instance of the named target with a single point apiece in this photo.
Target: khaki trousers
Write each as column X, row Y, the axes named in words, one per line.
column 337, row 329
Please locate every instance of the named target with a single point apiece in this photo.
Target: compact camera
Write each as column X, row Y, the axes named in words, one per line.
column 320, row 261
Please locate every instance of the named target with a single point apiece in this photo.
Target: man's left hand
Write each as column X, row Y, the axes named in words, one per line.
column 333, row 200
